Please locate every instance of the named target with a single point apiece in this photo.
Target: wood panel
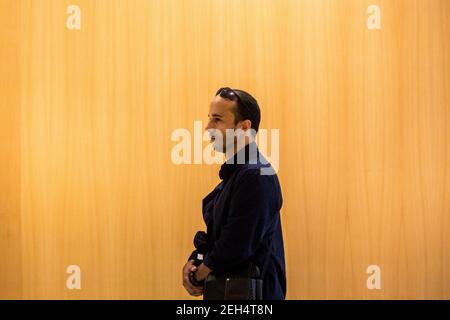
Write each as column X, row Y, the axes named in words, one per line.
column 86, row 123
column 10, row 152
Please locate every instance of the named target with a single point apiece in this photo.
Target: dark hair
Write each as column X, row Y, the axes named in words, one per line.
column 247, row 107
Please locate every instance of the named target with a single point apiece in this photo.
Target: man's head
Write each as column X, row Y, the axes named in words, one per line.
column 231, row 110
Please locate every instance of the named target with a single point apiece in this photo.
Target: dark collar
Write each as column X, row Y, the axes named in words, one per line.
column 248, row 154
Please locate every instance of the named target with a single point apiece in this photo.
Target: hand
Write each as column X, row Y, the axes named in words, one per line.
column 202, row 272
column 190, row 288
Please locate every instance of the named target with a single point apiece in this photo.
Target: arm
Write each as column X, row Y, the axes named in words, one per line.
column 249, row 216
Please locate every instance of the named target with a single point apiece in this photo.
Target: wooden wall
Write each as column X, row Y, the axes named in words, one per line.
column 86, row 117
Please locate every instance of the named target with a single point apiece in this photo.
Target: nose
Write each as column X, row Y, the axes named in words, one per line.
column 208, row 126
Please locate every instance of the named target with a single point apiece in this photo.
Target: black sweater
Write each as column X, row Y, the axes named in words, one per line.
column 240, row 215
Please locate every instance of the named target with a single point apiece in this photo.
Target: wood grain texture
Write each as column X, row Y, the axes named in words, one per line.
column 86, row 118
column 10, row 156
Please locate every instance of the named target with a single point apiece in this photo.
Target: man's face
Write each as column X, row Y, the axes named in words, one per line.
column 221, row 117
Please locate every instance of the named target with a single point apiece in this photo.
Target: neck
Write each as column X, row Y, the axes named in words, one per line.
column 231, row 153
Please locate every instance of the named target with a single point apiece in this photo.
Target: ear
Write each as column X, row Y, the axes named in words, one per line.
column 246, row 124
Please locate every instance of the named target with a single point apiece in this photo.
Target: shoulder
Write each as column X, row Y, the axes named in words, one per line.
column 257, row 174
column 252, row 183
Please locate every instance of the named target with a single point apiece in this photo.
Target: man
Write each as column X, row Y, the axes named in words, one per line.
column 242, row 212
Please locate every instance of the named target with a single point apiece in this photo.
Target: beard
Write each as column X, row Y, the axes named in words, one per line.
column 231, row 142
column 223, row 143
